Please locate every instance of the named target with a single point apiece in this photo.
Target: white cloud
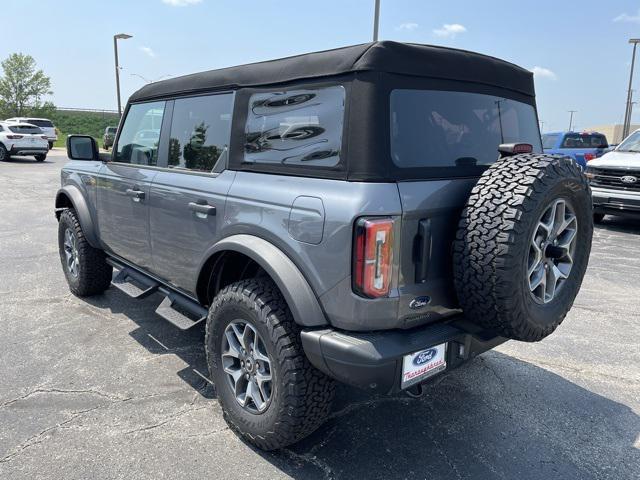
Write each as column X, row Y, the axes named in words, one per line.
column 148, row 51
column 409, row 26
column 542, row 72
column 181, row 3
column 625, row 17
column 449, row 30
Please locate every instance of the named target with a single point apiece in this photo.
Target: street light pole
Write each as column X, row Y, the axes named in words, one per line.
column 376, row 21
column 571, row 118
column 627, row 112
column 120, row 36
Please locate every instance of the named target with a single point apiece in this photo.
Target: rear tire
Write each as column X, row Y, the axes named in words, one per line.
column 296, row 400
column 41, row 158
column 523, row 245
column 85, row 267
column 598, row 217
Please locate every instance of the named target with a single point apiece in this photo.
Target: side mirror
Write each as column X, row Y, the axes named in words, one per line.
column 82, row 147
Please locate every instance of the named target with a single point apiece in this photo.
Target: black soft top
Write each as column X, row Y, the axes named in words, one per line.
column 386, row 56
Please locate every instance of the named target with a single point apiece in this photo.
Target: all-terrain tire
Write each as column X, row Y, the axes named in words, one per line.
column 598, row 217
column 93, row 275
column 301, row 395
column 494, row 240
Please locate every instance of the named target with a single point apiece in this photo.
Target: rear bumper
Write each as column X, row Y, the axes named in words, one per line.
column 29, row 150
column 373, row 361
column 615, row 202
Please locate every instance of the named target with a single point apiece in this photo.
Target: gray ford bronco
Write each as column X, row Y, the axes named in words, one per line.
column 372, row 215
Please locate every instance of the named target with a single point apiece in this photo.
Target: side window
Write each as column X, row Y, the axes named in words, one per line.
column 295, row 127
column 138, row 142
column 200, row 131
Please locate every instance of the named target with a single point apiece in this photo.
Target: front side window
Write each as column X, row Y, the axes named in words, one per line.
column 200, row 131
column 295, row 127
column 138, row 142
column 432, row 128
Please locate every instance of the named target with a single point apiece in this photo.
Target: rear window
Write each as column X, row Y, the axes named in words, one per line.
column 295, row 127
column 550, row 140
column 431, row 128
column 584, row 140
column 25, row 129
column 40, row 123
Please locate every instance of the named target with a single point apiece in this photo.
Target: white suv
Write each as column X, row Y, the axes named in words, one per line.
column 45, row 125
column 22, row 139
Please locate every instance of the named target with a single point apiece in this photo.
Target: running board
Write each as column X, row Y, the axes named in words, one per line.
column 133, row 283
column 181, row 312
column 176, row 308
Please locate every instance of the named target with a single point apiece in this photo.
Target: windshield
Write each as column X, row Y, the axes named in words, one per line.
column 584, row 140
column 631, row 143
column 432, row 128
column 549, row 140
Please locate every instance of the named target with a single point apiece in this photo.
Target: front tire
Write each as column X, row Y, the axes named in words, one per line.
column 85, row 267
column 253, row 349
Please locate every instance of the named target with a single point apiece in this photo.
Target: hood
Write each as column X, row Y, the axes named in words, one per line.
column 617, row 160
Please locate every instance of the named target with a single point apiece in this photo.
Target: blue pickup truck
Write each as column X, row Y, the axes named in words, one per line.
column 581, row 146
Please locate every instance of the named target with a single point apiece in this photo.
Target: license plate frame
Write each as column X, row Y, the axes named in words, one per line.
column 423, row 364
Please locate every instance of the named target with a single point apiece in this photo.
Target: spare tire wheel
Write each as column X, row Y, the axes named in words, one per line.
column 522, row 245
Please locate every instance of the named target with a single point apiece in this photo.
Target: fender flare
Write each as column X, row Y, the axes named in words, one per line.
column 82, row 211
column 297, row 292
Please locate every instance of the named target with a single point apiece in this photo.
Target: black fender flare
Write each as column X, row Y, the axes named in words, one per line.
column 79, row 203
column 297, row 292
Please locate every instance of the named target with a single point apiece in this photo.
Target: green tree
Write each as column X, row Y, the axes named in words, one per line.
column 22, row 85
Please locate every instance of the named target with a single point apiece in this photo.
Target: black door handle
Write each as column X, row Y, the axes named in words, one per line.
column 202, row 208
column 135, row 194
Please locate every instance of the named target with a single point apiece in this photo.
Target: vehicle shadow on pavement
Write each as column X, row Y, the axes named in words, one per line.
column 159, row 337
column 620, row 224
column 496, row 417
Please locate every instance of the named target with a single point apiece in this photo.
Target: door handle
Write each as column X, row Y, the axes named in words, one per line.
column 202, row 209
column 136, row 195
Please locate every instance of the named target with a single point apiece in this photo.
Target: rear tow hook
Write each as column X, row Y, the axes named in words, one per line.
column 416, row 391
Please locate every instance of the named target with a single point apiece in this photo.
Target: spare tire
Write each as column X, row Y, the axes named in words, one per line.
column 522, row 245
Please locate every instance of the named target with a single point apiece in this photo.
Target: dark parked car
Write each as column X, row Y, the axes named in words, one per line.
column 374, row 214
column 581, row 146
column 108, row 137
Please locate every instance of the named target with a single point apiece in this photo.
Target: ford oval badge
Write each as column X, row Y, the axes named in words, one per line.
column 424, row 357
column 629, row 179
column 419, row 302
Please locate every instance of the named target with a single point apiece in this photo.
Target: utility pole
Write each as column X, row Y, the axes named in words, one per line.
column 541, row 126
column 120, row 36
column 571, row 118
column 376, row 21
column 627, row 112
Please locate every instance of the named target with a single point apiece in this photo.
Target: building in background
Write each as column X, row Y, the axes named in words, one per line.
column 612, row 132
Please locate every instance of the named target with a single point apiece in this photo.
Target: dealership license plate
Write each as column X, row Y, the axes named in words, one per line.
column 421, row 365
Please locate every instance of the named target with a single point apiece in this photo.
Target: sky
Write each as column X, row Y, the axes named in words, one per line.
column 578, row 51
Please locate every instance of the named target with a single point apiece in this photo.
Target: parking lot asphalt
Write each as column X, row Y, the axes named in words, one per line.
column 103, row 388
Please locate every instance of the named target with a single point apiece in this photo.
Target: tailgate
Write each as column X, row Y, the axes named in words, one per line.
column 430, row 213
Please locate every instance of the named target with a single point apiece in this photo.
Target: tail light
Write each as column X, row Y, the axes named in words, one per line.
column 15, row 137
column 372, row 257
column 589, row 156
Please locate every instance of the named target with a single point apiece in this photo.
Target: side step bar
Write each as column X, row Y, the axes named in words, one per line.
column 176, row 308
